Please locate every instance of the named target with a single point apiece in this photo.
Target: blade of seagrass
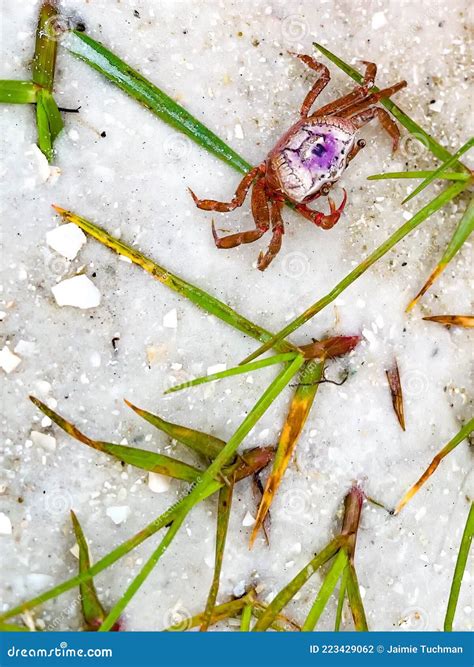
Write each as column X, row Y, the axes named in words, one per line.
column 246, row 618
column 202, row 443
column 207, row 478
column 46, row 47
column 452, row 444
column 466, row 321
column 11, row 627
column 414, row 129
column 300, row 408
column 355, row 600
column 395, row 385
column 223, row 514
column 92, row 609
column 446, row 176
column 17, row 92
column 340, row 601
column 461, row 561
column 98, row 57
column 461, row 234
column 428, row 210
column 140, row 458
column 329, row 584
column 196, row 295
column 236, row 370
column 436, row 174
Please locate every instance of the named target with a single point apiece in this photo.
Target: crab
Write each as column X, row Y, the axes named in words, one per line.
column 307, row 161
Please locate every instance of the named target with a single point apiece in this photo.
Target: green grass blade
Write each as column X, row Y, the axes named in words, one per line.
column 463, row 433
column 461, row 561
column 144, row 573
column 447, row 176
column 92, row 610
column 223, row 515
column 246, row 618
column 140, row 458
column 290, row 590
column 11, row 627
column 44, row 59
column 417, row 131
column 428, row 210
column 17, row 92
column 45, row 140
column 355, row 600
column 436, row 174
column 461, row 234
column 326, row 590
column 340, row 601
column 196, row 295
column 98, row 57
column 236, row 370
column 202, row 443
column 55, row 121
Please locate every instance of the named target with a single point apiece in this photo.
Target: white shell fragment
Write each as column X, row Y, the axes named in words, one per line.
column 5, row 524
column 158, row 483
column 378, row 20
column 43, row 440
column 170, row 319
column 118, row 513
column 79, row 292
column 66, row 239
column 248, row 520
column 8, row 360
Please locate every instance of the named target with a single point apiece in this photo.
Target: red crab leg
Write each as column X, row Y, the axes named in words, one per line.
column 321, row 83
column 357, row 95
column 326, row 221
column 362, row 118
column 278, row 231
column 260, row 215
column 238, row 198
column 373, row 98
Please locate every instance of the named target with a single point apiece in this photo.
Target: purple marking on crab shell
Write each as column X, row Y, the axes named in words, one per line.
column 322, row 154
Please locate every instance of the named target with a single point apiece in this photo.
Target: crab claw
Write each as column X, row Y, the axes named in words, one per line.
column 328, row 221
